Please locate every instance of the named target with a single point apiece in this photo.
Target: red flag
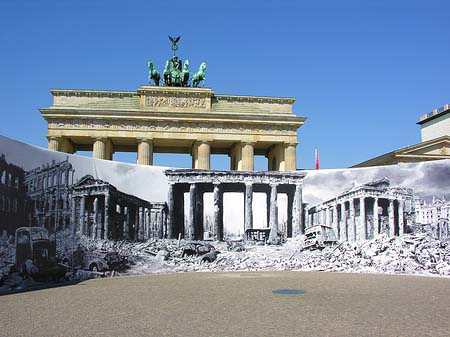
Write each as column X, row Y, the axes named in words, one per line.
column 317, row 160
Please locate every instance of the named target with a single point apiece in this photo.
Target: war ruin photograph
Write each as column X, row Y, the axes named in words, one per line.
column 251, row 169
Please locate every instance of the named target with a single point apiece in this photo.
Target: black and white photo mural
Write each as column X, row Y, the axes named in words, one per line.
column 65, row 217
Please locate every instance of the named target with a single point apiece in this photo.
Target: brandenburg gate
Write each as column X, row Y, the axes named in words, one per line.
column 175, row 118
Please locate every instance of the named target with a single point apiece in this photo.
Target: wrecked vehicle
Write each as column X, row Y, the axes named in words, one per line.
column 197, row 249
column 35, row 254
column 319, row 236
column 32, row 243
column 95, row 261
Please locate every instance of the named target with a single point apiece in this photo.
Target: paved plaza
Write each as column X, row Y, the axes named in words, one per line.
column 234, row 304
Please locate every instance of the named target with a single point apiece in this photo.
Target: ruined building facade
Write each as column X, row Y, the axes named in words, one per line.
column 48, row 190
column 365, row 211
column 100, row 211
column 431, row 213
column 12, row 196
column 198, row 182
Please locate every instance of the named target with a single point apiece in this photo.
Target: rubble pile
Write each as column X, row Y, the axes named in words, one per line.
column 421, row 254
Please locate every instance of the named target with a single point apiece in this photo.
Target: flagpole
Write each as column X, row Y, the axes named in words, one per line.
column 317, row 159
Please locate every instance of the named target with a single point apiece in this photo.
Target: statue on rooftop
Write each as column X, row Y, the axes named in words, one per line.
column 176, row 74
column 199, row 77
column 153, row 74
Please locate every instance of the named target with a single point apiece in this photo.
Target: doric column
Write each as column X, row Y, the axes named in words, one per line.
column 94, row 230
column 201, row 152
column 273, row 221
column 102, row 149
column 362, row 217
column 139, row 232
column 351, row 225
column 136, row 224
column 236, row 157
column 126, row 223
column 106, row 229
column 344, row 235
column 276, row 158
column 218, row 220
column 401, row 220
column 66, row 146
column 335, row 219
column 375, row 218
column 54, row 143
column 290, row 156
column 72, row 216
column 391, row 218
column 247, row 157
column 147, row 222
column 82, row 222
column 171, row 211
column 297, row 209
column 248, row 215
column 145, row 151
column 160, row 223
column 192, row 210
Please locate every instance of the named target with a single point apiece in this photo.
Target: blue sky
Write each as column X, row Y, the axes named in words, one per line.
column 362, row 71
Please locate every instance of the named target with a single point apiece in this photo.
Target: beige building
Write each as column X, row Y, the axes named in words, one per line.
column 195, row 121
column 435, row 144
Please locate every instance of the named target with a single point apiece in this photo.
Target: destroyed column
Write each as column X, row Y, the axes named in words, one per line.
column 248, row 216
column 273, row 224
column 401, row 220
column 192, row 210
column 335, row 219
column 72, row 216
column 351, row 221
column 126, row 223
column 82, row 223
column 136, row 223
column 94, row 230
column 298, row 227
column 375, row 218
column 362, row 221
column 344, row 222
column 106, row 228
column 217, row 212
column 391, row 217
column 171, row 211
column 140, row 231
column 160, row 223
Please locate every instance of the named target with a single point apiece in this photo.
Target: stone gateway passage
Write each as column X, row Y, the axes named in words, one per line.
column 188, row 120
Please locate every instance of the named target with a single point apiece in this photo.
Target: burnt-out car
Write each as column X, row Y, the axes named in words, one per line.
column 95, row 261
column 33, row 243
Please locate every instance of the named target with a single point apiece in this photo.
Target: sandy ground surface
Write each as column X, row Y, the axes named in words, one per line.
column 234, row 304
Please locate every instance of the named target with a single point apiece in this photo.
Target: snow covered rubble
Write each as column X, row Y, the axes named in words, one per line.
column 418, row 254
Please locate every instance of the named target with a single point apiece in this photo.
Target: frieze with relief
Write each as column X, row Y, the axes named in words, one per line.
column 156, row 126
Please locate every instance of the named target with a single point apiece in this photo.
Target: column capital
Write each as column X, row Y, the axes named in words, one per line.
column 101, row 139
column 144, row 139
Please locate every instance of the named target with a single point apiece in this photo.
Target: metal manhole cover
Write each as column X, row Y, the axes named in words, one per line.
column 288, row 291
